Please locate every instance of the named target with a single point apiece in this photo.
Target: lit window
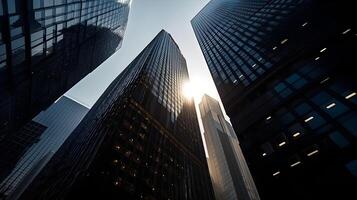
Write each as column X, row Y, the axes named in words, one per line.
column 264, row 154
column 317, row 58
column 283, row 41
column 304, row 24
column 331, row 105
column 326, row 79
column 309, row 119
column 322, row 50
column 313, row 152
column 296, row 134
column 282, row 144
column 268, row 118
column 350, row 95
column 294, row 164
column 346, row 31
column 276, row 173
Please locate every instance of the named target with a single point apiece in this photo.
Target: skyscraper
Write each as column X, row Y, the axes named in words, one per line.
column 47, row 46
column 230, row 175
column 284, row 72
column 39, row 140
column 140, row 140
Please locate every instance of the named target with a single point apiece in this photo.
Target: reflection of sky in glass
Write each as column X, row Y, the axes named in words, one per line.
column 146, row 19
column 60, row 120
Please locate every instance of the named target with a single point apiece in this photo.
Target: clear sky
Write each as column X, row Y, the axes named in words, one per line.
column 146, row 19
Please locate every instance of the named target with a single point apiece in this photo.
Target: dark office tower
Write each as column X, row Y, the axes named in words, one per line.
column 47, row 46
column 140, row 140
column 285, row 72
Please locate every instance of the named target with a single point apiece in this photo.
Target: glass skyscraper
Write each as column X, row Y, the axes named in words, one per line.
column 43, row 136
column 140, row 140
column 230, row 175
column 284, row 70
column 47, row 46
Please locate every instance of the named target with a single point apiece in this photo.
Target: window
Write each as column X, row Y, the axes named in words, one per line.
column 339, row 139
column 350, row 95
column 11, row 5
column 314, row 120
column 302, row 109
column 294, row 161
column 352, row 167
column 281, row 140
column 287, row 118
column 282, row 90
column 266, row 149
column 312, row 151
column 276, row 173
column 296, row 130
column 282, row 144
column 2, row 55
column 1, row 13
column 283, row 41
column 346, row 31
column 349, row 122
column 329, row 104
column 296, row 81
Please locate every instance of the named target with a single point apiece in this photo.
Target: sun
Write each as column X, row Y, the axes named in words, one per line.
column 197, row 87
column 188, row 90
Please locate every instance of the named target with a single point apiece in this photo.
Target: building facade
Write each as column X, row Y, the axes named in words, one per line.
column 230, row 175
column 140, row 140
column 47, row 46
column 30, row 151
column 284, row 72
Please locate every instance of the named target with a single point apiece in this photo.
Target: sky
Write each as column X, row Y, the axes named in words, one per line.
column 146, row 19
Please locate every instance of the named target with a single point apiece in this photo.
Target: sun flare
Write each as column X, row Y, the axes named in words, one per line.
column 196, row 88
column 188, row 90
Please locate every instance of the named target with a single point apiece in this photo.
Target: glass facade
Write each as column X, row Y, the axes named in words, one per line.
column 47, row 46
column 28, row 152
column 141, row 139
column 284, row 71
column 230, row 175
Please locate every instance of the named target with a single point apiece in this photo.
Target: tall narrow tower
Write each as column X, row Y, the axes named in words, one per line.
column 229, row 172
column 140, row 140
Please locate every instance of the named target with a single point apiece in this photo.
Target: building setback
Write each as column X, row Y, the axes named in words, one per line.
column 38, row 141
column 140, row 140
column 285, row 73
column 229, row 172
column 46, row 47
